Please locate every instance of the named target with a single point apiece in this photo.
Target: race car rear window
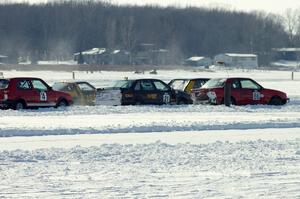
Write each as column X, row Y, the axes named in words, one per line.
column 214, row 83
column 179, row 84
column 58, row 86
column 4, row 83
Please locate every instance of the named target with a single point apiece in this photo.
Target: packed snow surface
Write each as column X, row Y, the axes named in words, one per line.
column 188, row 151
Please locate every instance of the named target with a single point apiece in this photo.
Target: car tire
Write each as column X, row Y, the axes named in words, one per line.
column 137, row 103
column 19, row 105
column 277, row 101
column 182, row 102
column 62, row 103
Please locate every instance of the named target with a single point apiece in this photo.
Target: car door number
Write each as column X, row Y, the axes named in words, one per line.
column 166, row 98
column 43, row 96
column 257, row 95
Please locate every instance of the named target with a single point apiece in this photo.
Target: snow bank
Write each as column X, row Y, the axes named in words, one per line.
column 219, row 170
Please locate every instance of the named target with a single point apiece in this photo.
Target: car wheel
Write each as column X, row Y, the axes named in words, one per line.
column 181, row 102
column 62, row 103
column 19, row 105
column 137, row 103
column 276, row 101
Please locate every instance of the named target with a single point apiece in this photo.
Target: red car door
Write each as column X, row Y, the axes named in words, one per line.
column 251, row 92
column 25, row 91
column 237, row 92
column 44, row 95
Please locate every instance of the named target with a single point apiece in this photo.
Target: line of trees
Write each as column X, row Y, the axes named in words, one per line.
column 56, row 30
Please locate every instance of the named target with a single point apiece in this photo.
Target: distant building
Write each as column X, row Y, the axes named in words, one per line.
column 237, row 60
column 119, row 57
column 102, row 56
column 286, row 54
column 198, row 61
column 93, row 56
column 148, row 54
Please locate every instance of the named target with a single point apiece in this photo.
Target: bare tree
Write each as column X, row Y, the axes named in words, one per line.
column 291, row 20
column 128, row 35
column 111, row 31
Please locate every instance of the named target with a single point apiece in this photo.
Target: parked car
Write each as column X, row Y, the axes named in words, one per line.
column 83, row 93
column 138, row 91
column 25, row 92
column 186, row 86
column 243, row 91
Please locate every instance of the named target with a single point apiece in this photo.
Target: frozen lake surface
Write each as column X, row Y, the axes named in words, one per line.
column 189, row 151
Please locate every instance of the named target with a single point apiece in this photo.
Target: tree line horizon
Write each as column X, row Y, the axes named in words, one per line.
column 58, row 29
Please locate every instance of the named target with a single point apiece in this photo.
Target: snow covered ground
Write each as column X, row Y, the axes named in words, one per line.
column 189, row 151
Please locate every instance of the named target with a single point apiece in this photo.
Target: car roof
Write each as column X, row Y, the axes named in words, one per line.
column 190, row 79
column 232, row 78
column 16, row 78
column 140, row 79
column 72, row 82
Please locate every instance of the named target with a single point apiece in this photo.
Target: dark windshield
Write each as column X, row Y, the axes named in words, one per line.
column 123, row 84
column 214, row 83
column 4, row 83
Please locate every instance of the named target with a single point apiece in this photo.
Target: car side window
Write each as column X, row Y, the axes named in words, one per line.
column 160, row 86
column 85, row 87
column 23, row 85
column 137, row 86
column 39, row 85
column 4, row 83
column 235, row 84
column 248, row 84
column 147, row 85
column 198, row 84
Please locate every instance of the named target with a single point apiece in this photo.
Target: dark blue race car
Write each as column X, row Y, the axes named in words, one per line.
column 139, row 91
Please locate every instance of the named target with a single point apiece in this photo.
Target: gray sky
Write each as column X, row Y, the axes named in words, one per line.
column 275, row 6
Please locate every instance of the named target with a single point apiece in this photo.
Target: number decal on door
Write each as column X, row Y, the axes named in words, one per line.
column 256, row 95
column 43, row 96
column 166, row 98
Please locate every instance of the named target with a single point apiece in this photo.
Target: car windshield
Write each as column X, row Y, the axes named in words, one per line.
column 122, row 84
column 214, row 83
column 4, row 83
column 179, row 84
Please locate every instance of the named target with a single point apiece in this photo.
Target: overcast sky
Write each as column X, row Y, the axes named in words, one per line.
column 275, row 6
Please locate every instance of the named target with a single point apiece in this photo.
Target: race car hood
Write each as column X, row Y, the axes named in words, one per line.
column 276, row 92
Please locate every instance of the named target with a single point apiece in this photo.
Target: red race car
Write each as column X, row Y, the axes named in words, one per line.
column 25, row 92
column 243, row 91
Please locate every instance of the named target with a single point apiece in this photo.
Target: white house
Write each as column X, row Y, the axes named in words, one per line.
column 93, row 56
column 237, row 60
column 198, row 61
